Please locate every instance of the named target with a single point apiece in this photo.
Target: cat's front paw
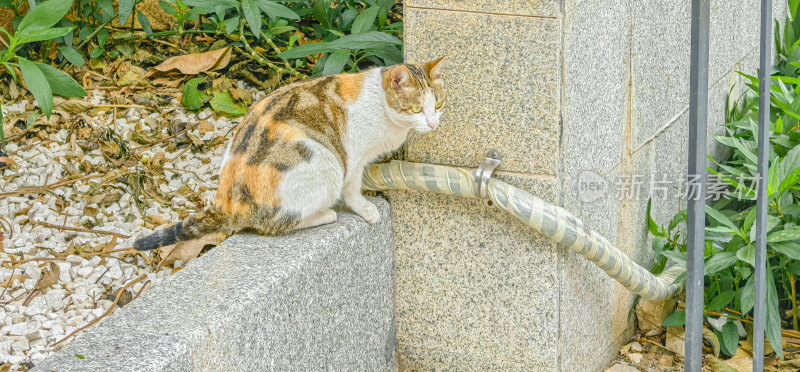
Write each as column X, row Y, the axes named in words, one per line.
column 368, row 211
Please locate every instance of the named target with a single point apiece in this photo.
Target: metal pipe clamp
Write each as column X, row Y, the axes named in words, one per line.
column 484, row 173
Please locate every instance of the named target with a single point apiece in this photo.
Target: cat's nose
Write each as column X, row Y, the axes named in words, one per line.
column 433, row 124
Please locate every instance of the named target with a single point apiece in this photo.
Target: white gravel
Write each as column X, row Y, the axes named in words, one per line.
column 28, row 332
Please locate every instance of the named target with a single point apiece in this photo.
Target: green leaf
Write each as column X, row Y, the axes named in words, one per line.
column 730, row 337
column 85, row 32
column 794, row 268
column 365, row 20
column 231, row 25
column 652, row 224
column 253, row 17
column 675, row 319
column 321, row 15
column 719, row 261
column 791, row 249
column 72, row 55
column 37, row 85
column 61, row 83
column 79, row 356
column 102, row 36
column 719, row 217
column 677, row 219
column 746, row 296
column 193, row 98
column 125, row 9
column 747, row 254
column 773, row 326
column 210, row 5
column 168, row 8
column 720, row 301
column 274, row 9
column 222, row 101
column 675, row 256
column 148, row 29
column 46, row 15
column 772, row 221
column 96, row 52
column 793, row 4
column 748, row 223
column 367, row 40
column 46, row 34
column 784, row 235
column 336, row 62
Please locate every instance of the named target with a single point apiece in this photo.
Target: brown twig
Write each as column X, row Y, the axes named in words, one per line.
column 107, row 313
column 64, row 258
column 141, row 289
column 30, row 297
column 145, row 147
column 44, row 189
column 10, row 228
column 169, row 45
column 13, row 268
column 101, row 275
column 124, row 106
column 79, row 229
column 185, row 171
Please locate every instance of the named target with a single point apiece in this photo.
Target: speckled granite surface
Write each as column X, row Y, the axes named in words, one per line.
column 558, row 88
column 493, row 100
column 317, row 299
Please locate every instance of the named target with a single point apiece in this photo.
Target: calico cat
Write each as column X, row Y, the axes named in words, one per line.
column 305, row 146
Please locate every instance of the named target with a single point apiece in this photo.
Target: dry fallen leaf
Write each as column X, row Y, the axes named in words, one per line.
column 74, row 106
column 10, row 280
column 742, row 361
column 157, row 220
column 718, row 365
column 134, row 77
column 711, row 338
column 205, row 126
column 193, row 64
column 49, row 277
column 186, row 251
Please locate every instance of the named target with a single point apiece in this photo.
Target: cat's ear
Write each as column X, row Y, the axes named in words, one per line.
column 399, row 77
column 434, row 68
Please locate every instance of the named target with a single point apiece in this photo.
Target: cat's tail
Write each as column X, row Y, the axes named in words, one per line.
column 206, row 222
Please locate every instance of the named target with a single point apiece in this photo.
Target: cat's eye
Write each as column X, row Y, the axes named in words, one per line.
column 439, row 104
column 416, row 109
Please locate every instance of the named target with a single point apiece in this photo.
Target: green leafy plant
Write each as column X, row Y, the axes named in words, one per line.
column 180, row 10
column 360, row 36
column 731, row 229
column 42, row 80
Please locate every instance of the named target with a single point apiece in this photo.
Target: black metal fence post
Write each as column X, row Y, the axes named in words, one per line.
column 698, row 102
column 759, row 317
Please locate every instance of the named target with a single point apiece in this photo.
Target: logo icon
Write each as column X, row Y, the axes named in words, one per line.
column 591, row 186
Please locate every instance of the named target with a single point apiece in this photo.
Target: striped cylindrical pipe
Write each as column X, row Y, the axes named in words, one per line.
column 552, row 221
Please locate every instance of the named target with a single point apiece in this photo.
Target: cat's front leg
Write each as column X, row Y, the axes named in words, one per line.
column 356, row 201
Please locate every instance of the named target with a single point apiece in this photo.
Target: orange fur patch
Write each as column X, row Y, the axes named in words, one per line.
column 263, row 182
column 286, row 132
column 227, row 180
column 351, row 85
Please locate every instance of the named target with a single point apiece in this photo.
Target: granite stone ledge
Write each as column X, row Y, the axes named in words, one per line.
column 536, row 8
column 320, row 298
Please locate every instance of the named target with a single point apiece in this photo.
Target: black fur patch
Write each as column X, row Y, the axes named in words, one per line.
column 148, row 243
column 264, row 145
column 305, row 152
column 281, row 167
column 242, row 193
column 245, row 138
